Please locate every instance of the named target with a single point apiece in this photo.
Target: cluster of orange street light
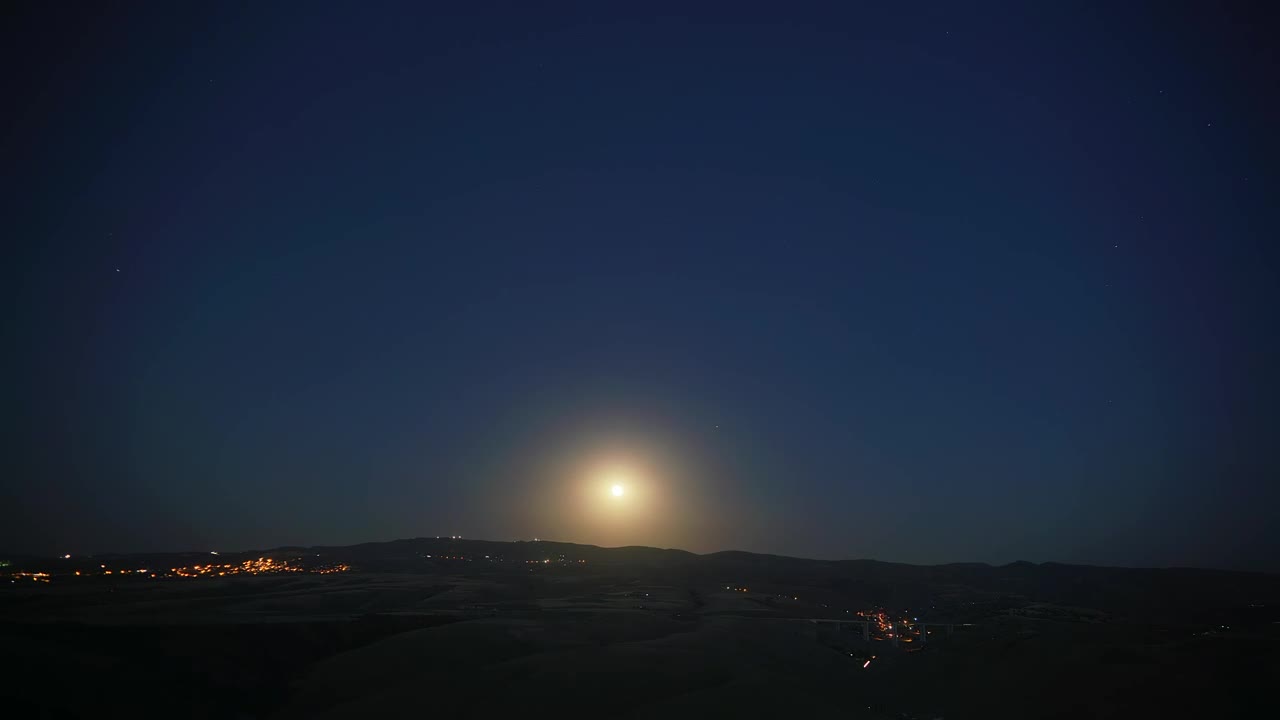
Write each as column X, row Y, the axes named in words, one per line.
column 888, row 625
column 260, row 566
column 250, row 567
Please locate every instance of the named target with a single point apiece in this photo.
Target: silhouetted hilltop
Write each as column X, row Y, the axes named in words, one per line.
column 1162, row 592
column 1113, row 589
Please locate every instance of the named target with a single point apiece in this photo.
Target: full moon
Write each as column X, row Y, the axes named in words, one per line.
column 617, row 490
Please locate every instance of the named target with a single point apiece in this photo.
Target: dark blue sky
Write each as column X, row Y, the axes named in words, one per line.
column 923, row 283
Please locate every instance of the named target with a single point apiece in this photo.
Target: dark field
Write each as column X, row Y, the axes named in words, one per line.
column 496, row 629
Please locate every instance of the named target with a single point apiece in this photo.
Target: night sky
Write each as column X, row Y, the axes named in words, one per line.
column 900, row 281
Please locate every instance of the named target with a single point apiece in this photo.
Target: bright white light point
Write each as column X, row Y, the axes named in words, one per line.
column 617, row 490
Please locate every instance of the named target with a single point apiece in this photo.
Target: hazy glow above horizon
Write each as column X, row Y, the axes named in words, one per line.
column 598, row 480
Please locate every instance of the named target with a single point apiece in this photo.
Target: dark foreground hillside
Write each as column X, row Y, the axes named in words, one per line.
column 482, row 629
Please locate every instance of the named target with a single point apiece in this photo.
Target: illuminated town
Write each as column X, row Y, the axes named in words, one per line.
column 258, row 566
column 249, row 567
column 66, row 567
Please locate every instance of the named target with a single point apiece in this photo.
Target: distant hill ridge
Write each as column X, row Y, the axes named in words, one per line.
column 1167, row 591
column 532, row 549
column 1133, row 591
